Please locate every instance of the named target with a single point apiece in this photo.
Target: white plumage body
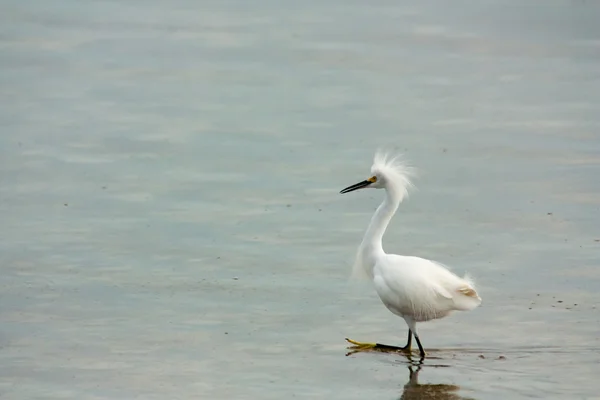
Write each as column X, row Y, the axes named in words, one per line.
column 420, row 289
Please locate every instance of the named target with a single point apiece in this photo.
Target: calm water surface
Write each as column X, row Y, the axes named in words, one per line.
column 171, row 223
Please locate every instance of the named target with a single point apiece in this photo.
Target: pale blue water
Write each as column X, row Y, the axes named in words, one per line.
column 171, row 223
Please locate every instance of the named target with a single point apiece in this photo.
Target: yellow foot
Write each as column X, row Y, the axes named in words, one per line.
column 361, row 345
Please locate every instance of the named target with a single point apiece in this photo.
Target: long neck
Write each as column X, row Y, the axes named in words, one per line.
column 371, row 245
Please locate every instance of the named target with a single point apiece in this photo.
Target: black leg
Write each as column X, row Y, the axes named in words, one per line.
column 409, row 341
column 396, row 348
column 421, row 351
column 386, row 347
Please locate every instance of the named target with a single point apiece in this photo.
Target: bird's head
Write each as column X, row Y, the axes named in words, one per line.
column 386, row 173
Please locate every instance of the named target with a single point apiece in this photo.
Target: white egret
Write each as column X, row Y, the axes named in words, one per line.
column 413, row 288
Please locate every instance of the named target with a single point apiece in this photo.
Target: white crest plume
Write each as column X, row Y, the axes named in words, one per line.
column 396, row 172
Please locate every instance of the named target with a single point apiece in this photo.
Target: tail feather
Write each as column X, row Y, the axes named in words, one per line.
column 469, row 292
column 467, row 298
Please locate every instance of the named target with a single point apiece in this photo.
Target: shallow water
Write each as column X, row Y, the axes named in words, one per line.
column 171, row 223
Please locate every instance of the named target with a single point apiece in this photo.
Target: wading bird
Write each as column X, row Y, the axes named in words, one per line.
column 413, row 288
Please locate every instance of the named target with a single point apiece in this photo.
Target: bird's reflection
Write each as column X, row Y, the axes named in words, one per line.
column 413, row 390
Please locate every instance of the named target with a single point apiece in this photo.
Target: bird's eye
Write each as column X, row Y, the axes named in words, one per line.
column 372, row 179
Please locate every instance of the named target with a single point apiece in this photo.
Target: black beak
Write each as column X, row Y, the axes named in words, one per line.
column 356, row 186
